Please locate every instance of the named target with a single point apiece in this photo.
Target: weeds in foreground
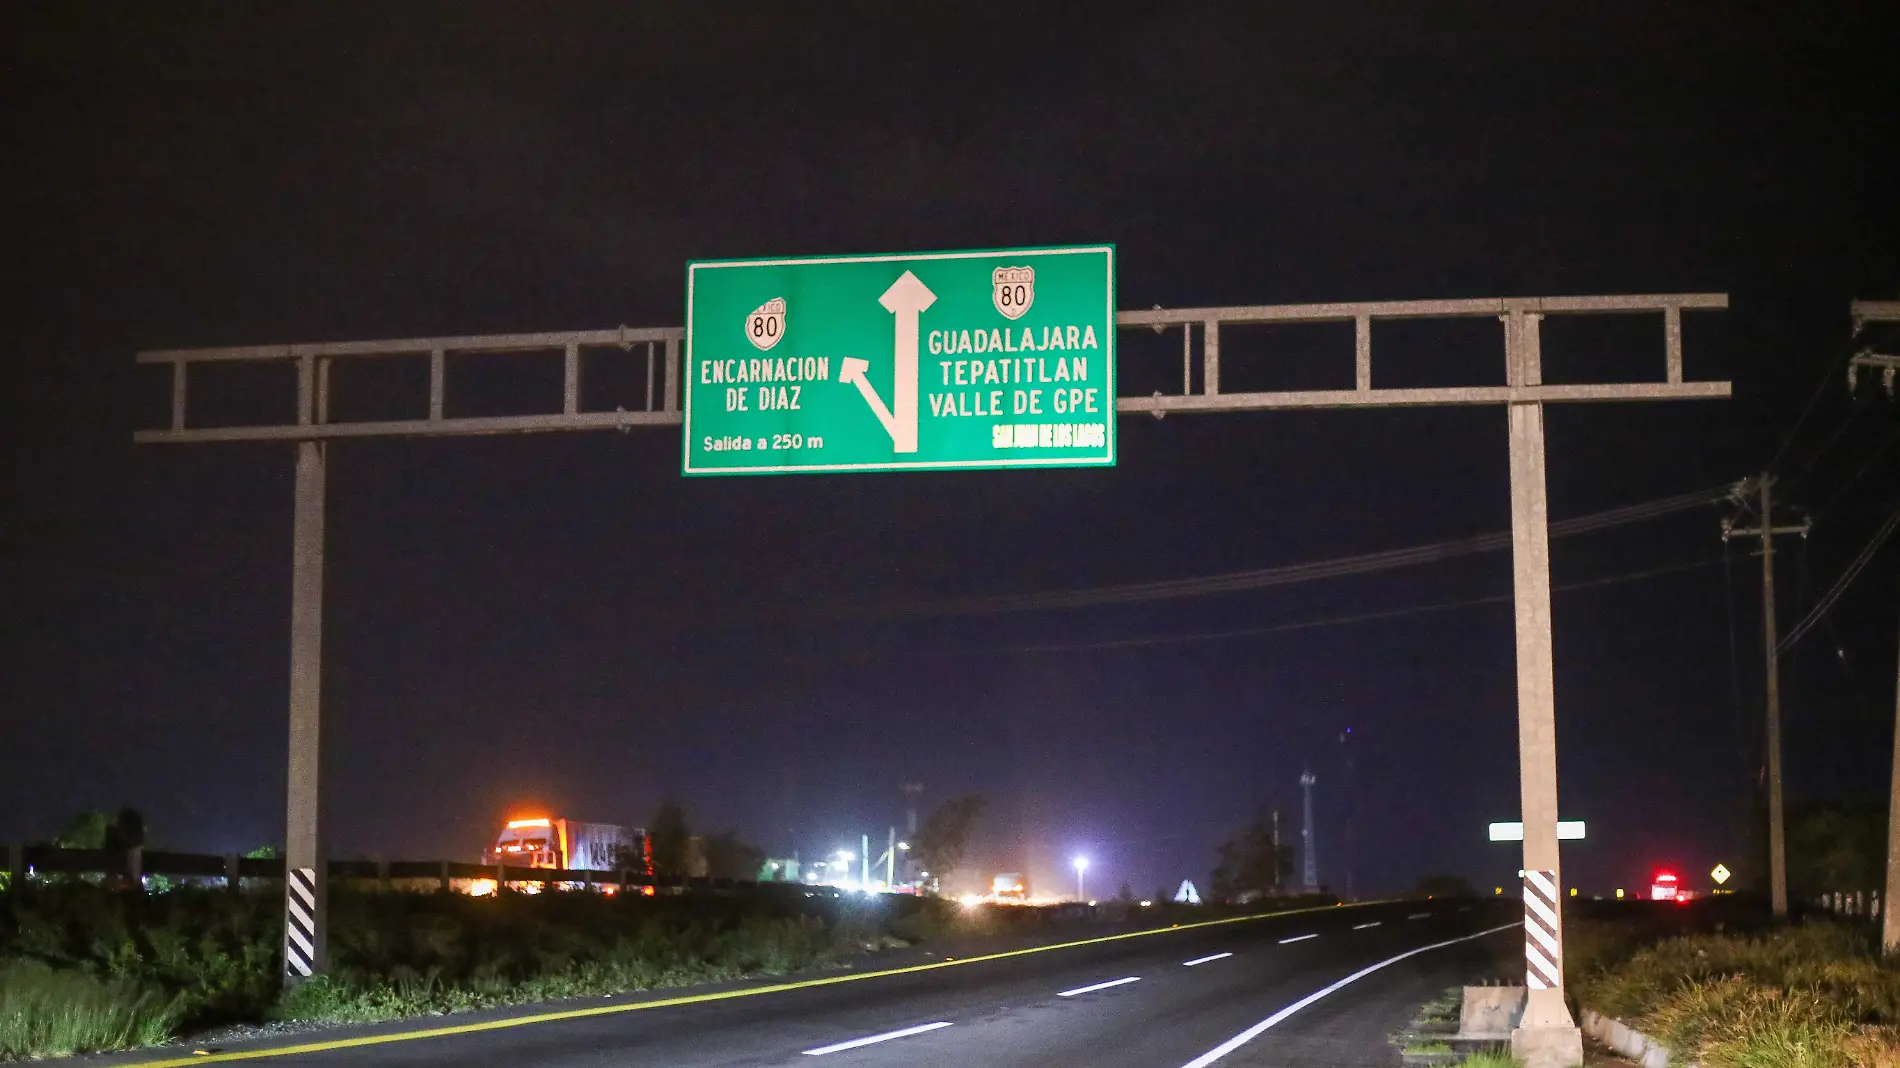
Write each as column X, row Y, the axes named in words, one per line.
column 47, row 1012
column 1811, row 996
column 1443, row 1008
column 1490, row 1060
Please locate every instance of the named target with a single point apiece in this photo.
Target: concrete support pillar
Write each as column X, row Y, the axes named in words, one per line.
column 306, row 881
column 1547, row 1036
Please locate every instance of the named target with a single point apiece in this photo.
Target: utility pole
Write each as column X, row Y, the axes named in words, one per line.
column 1309, row 873
column 1864, row 313
column 890, row 861
column 912, row 791
column 1771, row 663
column 1889, row 916
column 1276, row 848
column 1350, row 803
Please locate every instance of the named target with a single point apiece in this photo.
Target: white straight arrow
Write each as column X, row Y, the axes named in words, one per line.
column 905, row 300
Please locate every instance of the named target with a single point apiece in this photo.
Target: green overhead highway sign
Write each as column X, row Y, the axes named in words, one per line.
column 930, row 360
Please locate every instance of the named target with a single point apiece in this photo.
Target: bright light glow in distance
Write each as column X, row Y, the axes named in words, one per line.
column 541, row 822
column 874, row 1039
column 1099, row 986
column 1081, row 864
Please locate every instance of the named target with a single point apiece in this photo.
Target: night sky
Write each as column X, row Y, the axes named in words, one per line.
column 565, row 624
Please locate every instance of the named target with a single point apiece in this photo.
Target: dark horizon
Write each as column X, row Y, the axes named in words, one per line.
column 566, row 623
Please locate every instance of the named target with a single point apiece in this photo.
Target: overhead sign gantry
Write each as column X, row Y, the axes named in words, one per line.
column 866, row 409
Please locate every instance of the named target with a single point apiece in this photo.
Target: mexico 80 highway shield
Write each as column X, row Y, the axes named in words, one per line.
column 993, row 358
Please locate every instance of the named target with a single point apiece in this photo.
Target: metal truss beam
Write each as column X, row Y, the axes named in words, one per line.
column 662, row 409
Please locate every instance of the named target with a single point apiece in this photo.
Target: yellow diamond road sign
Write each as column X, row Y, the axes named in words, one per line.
column 1720, row 874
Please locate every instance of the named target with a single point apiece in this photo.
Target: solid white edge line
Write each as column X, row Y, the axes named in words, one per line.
column 1363, row 926
column 1256, row 1030
column 1204, row 960
column 1099, row 986
column 1297, row 938
column 874, row 1039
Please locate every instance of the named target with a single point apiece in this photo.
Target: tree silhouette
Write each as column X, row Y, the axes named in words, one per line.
column 940, row 841
column 669, row 834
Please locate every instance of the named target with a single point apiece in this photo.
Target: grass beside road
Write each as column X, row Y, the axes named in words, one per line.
column 45, row 1012
column 1814, row 995
column 87, row 968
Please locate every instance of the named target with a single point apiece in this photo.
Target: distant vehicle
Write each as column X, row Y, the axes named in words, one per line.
column 1010, row 886
column 556, row 842
column 1665, row 888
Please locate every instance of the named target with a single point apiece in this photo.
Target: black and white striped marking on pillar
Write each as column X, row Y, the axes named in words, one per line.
column 1543, row 954
column 300, row 923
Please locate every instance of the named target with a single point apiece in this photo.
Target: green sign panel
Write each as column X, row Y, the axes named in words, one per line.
column 933, row 360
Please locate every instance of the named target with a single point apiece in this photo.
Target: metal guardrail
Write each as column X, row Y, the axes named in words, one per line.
column 25, row 862
column 1857, row 905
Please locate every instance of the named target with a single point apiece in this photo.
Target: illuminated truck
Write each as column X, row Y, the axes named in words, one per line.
column 1010, row 886
column 556, row 842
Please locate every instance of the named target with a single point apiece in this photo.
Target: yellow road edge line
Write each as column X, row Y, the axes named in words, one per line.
column 696, row 999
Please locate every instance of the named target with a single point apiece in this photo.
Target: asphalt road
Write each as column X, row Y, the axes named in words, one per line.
column 1259, row 992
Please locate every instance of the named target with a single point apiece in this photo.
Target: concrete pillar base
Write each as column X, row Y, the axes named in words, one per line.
column 1548, row 1047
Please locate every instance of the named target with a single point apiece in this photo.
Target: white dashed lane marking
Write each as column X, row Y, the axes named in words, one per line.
column 871, row 1040
column 1090, row 989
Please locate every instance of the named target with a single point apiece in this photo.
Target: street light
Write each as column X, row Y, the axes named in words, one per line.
column 1081, row 865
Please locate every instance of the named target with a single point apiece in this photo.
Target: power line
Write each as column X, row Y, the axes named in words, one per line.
column 1263, row 578
column 1831, row 375
column 1335, row 621
column 1814, row 457
column 1840, row 584
column 1859, row 473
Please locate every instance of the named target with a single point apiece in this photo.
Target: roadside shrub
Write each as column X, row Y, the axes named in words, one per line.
column 1809, row 996
column 45, row 1012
